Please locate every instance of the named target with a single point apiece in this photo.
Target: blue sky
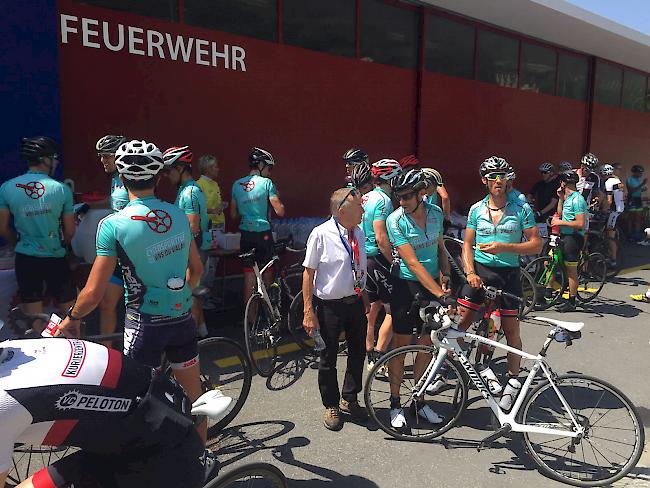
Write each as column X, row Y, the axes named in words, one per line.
column 631, row 13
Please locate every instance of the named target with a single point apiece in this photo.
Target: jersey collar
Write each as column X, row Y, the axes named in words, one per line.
column 138, row 200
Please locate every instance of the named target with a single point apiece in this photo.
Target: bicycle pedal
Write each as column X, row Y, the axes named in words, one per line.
column 505, row 429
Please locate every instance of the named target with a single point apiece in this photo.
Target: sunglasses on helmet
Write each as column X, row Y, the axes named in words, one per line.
column 353, row 192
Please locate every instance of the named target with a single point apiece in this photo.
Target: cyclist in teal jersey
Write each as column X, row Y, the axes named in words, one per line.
column 573, row 208
column 436, row 188
column 153, row 244
column 353, row 157
column 513, row 193
column 415, row 232
column 40, row 206
column 119, row 197
column 496, row 225
column 191, row 200
column 251, row 196
column 377, row 207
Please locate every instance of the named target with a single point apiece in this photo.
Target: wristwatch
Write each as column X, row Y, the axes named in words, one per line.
column 69, row 314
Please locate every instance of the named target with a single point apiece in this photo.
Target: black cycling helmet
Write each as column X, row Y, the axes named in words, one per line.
column 494, row 164
column 355, row 156
column 258, row 155
column 32, row 148
column 637, row 168
column 109, row 144
column 361, row 175
column 413, row 179
column 569, row 177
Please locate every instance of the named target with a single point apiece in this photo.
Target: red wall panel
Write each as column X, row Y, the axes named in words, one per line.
column 306, row 107
column 465, row 121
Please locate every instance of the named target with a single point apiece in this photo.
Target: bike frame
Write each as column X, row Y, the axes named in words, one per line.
column 449, row 343
column 260, row 287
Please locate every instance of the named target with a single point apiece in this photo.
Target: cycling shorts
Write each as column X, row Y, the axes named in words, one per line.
column 147, row 337
column 33, row 273
column 406, row 317
column 611, row 220
column 379, row 282
column 571, row 245
column 117, row 278
column 262, row 242
column 507, row 279
column 634, row 204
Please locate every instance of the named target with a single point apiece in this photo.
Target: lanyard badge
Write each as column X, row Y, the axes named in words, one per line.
column 352, row 248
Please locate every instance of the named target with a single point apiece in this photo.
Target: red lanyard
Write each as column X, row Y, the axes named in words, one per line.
column 352, row 248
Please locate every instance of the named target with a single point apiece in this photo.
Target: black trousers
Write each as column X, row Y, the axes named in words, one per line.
column 333, row 317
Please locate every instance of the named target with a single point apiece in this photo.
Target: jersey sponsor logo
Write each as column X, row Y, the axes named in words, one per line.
column 162, row 249
column 364, row 199
column 248, row 186
column 33, row 189
column 36, row 210
column 77, row 358
column 158, row 221
column 75, row 400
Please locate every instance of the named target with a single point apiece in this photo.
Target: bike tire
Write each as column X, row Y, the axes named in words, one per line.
column 543, row 271
column 592, row 275
column 28, row 459
column 262, row 475
column 226, row 366
column 261, row 343
column 529, row 294
column 449, row 402
column 296, row 329
column 579, row 401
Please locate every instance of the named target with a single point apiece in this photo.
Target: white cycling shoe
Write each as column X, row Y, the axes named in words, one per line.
column 429, row 415
column 436, row 385
column 397, row 418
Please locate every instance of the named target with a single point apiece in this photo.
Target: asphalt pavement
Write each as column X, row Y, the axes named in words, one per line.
column 282, row 420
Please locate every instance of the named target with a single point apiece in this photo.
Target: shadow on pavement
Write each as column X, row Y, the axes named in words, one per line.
column 627, row 281
column 608, row 306
column 328, row 477
column 288, row 371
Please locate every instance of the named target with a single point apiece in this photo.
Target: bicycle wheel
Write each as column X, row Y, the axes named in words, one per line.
column 611, row 444
column 225, row 365
column 261, row 335
column 296, row 329
column 257, row 475
column 448, row 402
column 592, row 274
column 529, row 295
column 549, row 280
column 28, row 459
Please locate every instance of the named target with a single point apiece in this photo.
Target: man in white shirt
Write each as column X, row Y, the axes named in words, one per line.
column 334, row 294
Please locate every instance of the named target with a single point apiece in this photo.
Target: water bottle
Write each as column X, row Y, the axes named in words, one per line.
column 491, row 380
column 274, row 293
column 319, row 343
column 494, row 324
column 555, row 229
column 509, row 394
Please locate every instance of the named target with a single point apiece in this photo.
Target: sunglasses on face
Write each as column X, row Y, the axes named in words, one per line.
column 495, row 176
column 544, row 172
column 407, row 196
column 353, row 192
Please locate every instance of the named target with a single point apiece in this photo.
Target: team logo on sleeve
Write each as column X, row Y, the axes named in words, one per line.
column 75, row 400
column 248, row 186
column 158, row 221
column 33, row 189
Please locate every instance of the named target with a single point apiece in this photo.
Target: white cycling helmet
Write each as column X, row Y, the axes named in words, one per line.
column 385, row 169
column 138, row 160
column 590, row 161
column 432, row 177
column 177, row 155
column 607, row 170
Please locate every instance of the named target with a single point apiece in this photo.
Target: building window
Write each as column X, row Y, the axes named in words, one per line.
column 252, row 18
column 449, row 47
column 572, row 76
column 389, row 34
column 323, row 26
column 609, row 79
column 634, row 86
column 497, row 59
column 160, row 9
column 538, row 68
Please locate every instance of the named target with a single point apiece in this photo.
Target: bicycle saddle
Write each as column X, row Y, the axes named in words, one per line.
column 212, row 403
column 570, row 326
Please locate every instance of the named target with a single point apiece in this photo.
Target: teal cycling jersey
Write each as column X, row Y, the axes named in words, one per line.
column 432, row 199
column 252, row 194
column 634, row 182
column 402, row 229
column 517, row 217
column 516, row 195
column 151, row 240
column 376, row 206
column 37, row 203
column 573, row 205
column 191, row 200
column 119, row 194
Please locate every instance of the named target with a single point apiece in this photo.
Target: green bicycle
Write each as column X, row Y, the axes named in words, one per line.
column 550, row 275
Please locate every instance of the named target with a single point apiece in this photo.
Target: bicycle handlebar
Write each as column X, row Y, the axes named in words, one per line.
column 492, row 292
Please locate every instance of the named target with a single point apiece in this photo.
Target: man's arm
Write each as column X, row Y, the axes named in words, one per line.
column 234, row 211
column 551, row 205
column 407, row 253
column 578, row 223
column 195, row 223
column 277, row 205
column 69, row 227
column 194, row 266
column 5, row 230
column 446, row 202
column 381, row 235
column 310, row 321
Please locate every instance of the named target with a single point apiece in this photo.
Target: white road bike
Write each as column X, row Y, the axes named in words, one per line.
column 578, row 429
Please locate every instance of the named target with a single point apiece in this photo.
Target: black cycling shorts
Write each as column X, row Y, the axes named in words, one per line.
column 571, row 245
column 406, row 317
column 36, row 274
column 634, row 203
column 379, row 281
column 262, row 242
column 507, row 279
column 146, row 337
